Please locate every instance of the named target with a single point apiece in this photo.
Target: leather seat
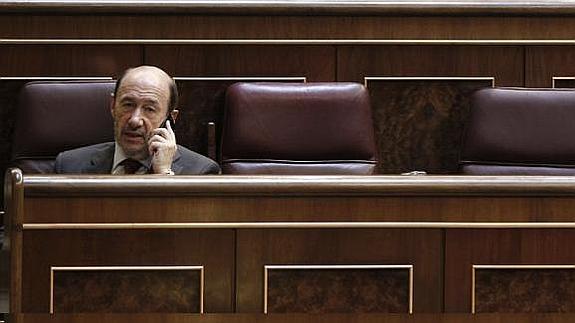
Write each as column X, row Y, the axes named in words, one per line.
column 520, row 131
column 57, row 116
column 298, row 129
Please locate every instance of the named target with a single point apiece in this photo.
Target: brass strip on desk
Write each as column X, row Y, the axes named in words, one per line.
column 300, row 225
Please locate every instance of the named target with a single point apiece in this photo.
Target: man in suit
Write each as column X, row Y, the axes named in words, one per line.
column 144, row 101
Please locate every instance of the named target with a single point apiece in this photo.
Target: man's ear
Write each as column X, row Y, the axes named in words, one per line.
column 174, row 114
column 112, row 103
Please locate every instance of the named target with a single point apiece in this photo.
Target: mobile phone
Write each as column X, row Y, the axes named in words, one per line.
column 172, row 122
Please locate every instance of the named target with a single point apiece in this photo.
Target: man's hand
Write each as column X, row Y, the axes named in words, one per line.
column 162, row 147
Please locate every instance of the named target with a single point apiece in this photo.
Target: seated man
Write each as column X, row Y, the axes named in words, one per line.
column 144, row 100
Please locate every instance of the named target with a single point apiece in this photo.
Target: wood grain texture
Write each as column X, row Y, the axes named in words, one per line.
column 338, row 290
column 67, row 60
column 542, row 63
column 211, row 248
column 249, row 209
column 419, row 124
column 314, row 62
column 464, row 248
column 310, row 26
column 257, row 248
column 505, row 63
column 524, row 290
column 127, row 291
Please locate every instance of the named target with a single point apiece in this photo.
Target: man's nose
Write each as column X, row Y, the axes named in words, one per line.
column 136, row 118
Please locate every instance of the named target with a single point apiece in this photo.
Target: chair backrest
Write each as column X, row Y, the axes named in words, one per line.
column 520, row 131
column 298, row 128
column 56, row 116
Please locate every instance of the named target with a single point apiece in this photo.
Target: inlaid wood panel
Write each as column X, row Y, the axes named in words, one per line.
column 542, row 63
column 563, row 81
column 257, row 248
column 533, row 290
column 213, row 249
column 465, row 248
column 126, row 290
column 505, row 63
column 316, row 63
column 419, row 123
column 332, row 289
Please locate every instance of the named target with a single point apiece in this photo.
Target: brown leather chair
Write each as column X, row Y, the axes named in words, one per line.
column 298, row 128
column 57, row 116
column 520, row 131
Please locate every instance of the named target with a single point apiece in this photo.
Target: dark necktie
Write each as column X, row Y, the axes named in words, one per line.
column 131, row 166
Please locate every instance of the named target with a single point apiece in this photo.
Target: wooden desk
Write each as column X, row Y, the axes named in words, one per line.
column 419, row 242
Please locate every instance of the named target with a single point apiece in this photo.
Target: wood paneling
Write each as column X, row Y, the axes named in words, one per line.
column 314, row 62
column 67, row 60
column 464, row 248
column 234, row 209
column 257, row 248
column 505, row 63
column 309, row 26
column 542, row 63
column 213, row 249
column 419, row 123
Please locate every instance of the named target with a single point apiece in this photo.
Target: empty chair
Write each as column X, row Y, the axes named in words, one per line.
column 57, row 116
column 298, row 128
column 520, row 131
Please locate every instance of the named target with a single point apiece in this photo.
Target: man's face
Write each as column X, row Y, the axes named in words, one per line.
column 140, row 105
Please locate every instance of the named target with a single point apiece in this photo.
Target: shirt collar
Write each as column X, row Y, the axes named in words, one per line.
column 119, row 157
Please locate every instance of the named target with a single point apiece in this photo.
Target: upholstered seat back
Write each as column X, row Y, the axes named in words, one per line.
column 298, row 128
column 57, row 116
column 520, row 131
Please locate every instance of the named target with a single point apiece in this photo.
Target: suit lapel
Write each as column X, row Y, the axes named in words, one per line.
column 102, row 160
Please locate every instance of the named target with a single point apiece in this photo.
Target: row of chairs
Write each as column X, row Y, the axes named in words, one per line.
column 310, row 128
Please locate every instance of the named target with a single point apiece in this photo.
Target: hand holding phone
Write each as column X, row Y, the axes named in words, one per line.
column 162, row 147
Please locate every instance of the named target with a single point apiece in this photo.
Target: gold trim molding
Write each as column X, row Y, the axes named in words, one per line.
column 559, row 78
column 324, row 267
column 476, row 267
column 299, row 225
column 125, row 268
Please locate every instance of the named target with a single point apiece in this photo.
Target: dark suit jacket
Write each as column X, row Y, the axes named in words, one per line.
column 98, row 159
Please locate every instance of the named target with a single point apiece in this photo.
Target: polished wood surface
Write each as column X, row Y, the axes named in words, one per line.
column 371, row 7
column 234, row 226
column 309, row 26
